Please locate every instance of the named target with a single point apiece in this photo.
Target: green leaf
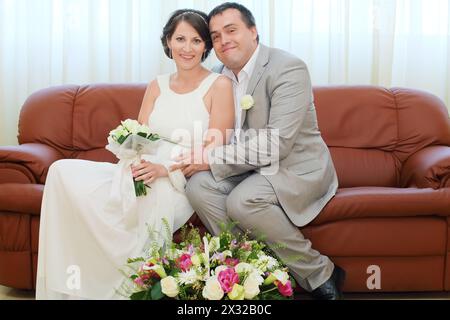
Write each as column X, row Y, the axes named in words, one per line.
column 153, row 137
column 122, row 139
column 140, row 188
column 156, row 293
column 252, row 256
column 138, row 259
column 142, row 134
column 138, row 295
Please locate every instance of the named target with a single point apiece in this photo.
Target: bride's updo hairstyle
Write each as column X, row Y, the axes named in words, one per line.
column 198, row 21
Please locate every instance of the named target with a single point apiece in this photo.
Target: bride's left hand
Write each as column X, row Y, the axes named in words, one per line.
column 148, row 172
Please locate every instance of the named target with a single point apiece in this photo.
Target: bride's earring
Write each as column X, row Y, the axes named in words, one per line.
column 170, row 54
column 203, row 56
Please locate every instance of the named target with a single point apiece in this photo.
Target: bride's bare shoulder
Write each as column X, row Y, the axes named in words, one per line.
column 222, row 83
column 153, row 89
column 151, row 93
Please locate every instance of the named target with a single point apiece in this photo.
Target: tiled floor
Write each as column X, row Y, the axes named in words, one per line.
column 13, row 294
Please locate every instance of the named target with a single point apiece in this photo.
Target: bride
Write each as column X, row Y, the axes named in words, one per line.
column 85, row 235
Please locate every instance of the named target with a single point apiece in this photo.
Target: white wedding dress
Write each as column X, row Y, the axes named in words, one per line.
column 87, row 233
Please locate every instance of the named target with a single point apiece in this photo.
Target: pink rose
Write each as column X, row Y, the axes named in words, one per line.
column 139, row 281
column 145, row 277
column 185, row 262
column 285, row 290
column 227, row 279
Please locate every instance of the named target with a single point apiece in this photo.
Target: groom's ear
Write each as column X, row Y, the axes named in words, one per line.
column 254, row 32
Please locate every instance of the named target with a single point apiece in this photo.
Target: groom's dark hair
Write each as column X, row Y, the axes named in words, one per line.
column 246, row 15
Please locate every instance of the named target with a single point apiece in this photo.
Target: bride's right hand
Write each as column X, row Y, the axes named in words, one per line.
column 148, row 172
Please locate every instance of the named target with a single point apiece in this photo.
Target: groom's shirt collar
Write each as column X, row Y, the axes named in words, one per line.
column 240, row 84
column 247, row 70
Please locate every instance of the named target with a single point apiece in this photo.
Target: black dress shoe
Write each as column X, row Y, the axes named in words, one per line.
column 332, row 288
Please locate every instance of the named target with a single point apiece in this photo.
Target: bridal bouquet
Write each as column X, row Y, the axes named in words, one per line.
column 211, row 268
column 129, row 141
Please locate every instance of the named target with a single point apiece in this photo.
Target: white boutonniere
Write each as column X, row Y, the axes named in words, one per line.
column 247, row 102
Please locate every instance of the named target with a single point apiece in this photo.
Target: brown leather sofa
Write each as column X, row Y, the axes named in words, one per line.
column 390, row 148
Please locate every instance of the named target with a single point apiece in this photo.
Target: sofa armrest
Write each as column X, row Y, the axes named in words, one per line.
column 36, row 157
column 427, row 168
column 21, row 198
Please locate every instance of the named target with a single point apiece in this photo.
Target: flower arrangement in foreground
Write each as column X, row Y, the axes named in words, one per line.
column 211, row 268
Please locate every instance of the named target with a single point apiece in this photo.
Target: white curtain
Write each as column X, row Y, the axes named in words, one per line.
column 380, row 42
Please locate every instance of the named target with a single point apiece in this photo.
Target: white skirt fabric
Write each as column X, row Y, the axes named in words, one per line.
column 85, row 238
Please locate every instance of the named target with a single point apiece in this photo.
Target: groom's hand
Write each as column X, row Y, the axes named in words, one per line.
column 191, row 163
column 191, row 169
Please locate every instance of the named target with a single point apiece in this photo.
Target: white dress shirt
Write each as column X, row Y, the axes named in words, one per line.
column 240, row 85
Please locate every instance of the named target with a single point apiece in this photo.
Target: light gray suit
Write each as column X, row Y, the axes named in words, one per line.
column 273, row 204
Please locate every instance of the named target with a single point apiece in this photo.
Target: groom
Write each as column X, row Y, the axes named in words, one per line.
column 273, row 204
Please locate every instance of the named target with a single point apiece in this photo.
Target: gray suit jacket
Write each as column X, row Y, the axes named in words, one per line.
column 302, row 175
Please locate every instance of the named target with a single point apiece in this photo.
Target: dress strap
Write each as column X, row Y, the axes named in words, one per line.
column 207, row 83
column 163, row 82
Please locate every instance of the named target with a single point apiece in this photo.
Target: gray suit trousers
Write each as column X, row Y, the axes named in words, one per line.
column 250, row 200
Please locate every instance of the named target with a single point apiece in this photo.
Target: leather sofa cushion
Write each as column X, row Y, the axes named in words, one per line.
column 371, row 130
column 380, row 237
column 398, row 274
column 101, row 155
column 46, row 117
column 357, row 117
column 422, row 121
column 14, row 232
column 99, row 108
column 15, row 172
column 365, row 202
column 366, row 167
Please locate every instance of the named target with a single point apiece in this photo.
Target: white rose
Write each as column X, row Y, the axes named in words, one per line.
column 118, row 132
column 243, row 267
column 169, row 287
column 144, row 129
column 257, row 276
column 115, row 131
column 131, row 125
column 247, row 102
column 212, row 289
column 251, row 287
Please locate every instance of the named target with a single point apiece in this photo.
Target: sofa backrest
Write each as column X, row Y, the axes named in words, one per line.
column 370, row 130
column 76, row 120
